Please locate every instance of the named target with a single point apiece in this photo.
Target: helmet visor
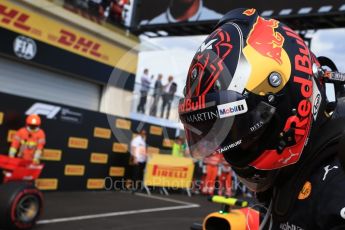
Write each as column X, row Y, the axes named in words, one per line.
column 224, row 122
column 33, row 128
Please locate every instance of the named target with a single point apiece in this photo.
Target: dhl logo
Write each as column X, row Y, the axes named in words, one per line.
column 264, row 39
column 14, row 17
column 169, row 171
column 80, row 43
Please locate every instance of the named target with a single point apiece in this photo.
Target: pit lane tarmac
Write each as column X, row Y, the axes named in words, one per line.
column 122, row 210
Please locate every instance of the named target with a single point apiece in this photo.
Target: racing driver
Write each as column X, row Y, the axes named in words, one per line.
column 256, row 94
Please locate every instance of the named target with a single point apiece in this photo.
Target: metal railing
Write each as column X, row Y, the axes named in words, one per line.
column 152, row 101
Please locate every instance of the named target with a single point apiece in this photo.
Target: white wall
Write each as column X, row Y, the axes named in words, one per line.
column 116, row 101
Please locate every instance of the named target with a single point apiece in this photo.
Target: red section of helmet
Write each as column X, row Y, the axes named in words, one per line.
column 264, row 39
column 33, row 119
column 211, row 62
column 271, row 159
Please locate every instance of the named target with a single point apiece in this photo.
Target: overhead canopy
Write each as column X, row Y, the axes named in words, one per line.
column 298, row 14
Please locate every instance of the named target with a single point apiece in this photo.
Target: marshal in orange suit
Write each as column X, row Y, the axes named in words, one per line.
column 29, row 141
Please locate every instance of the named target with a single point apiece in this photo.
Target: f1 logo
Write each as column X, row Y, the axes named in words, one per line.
column 47, row 110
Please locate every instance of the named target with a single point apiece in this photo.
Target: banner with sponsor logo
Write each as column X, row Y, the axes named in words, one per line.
column 79, row 153
column 47, row 184
column 168, row 171
column 36, row 38
column 179, row 11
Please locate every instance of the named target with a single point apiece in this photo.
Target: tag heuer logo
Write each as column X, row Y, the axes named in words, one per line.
column 24, row 47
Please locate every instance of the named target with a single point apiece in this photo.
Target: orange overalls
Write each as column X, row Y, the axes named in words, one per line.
column 211, row 173
column 225, row 178
column 28, row 145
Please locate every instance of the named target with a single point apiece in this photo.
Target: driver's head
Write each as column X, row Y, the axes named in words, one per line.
column 33, row 122
column 250, row 95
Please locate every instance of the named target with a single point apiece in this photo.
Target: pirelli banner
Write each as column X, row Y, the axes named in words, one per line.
column 35, row 38
column 83, row 147
column 169, row 171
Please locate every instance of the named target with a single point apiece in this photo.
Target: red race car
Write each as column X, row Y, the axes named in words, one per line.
column 20, row 201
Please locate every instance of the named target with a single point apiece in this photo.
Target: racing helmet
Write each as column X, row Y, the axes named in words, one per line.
column 251, row 95
column 33, row 122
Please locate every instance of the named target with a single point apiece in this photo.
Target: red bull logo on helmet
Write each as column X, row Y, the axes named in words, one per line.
column 265, row 40
column 189, row 105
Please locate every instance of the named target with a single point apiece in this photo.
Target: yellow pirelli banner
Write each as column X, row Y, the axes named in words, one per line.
column 1, row 118
column 123, row 124
column 38, row 26
column 74, row 170
column 78, row 143
column 168, row 171
column 156, row 130
column 99, row 158
column 102, row 132
column 95, row 183
column 47, row 183
column 51, row 155
column 10, row 134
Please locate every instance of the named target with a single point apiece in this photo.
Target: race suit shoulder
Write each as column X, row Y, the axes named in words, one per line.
column 311, row 194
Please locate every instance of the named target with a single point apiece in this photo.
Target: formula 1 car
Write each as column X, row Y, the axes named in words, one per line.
column 234, row 215
column 20, row 201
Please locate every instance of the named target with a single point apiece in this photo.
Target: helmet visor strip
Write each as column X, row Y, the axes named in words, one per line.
column 223, row 122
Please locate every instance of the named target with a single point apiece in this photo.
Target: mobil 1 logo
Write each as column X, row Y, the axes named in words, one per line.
column 24, row 47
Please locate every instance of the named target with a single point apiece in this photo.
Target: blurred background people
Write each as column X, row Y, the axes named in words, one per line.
column 139, row 157
column 224, row 178
column 169, row 91
column 211, row 162
column 145, row 87
column 157, row 93
column 179, row 147
column 29, row 141
column 116, row 10
column 109, row 10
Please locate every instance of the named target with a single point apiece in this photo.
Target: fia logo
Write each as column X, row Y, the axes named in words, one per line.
column 24, row 47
